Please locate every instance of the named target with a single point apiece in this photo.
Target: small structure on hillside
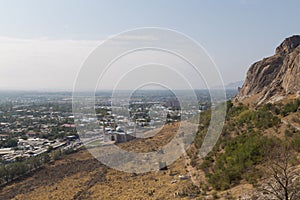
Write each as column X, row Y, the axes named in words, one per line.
column 118, row 136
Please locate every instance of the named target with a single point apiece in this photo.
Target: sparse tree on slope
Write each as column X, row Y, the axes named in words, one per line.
column 283, row 180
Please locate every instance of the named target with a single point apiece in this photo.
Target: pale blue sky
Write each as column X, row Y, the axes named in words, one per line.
column 235, row 33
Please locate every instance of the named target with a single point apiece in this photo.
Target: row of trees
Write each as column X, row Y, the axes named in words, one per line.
column 10, row 171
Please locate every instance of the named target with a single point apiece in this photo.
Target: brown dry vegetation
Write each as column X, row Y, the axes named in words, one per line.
column 80, row 176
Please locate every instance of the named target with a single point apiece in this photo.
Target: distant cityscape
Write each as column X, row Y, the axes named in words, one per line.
column 35, row 123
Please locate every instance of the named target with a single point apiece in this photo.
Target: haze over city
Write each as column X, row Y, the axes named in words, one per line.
column 43, row 44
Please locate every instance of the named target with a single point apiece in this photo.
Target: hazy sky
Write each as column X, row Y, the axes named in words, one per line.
column 44, row 43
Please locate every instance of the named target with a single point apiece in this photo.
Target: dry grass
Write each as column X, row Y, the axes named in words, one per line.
column 80, row 176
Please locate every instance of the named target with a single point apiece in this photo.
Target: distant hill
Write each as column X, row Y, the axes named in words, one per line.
column 274, row 78
column 231, row 86
column 234, row 85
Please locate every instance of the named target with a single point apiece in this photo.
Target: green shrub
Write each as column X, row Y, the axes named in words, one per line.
column 261, row 118
column 290, row 107
column 296, row 142
column 241, row 155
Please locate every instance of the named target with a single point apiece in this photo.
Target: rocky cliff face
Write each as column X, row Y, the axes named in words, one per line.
column 275, row 77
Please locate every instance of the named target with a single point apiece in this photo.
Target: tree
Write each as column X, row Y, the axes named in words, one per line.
column 46, row 158
column 56, row 154
column 283, row 182
column 3, row 173
column 50, row 148
column 34, row 162
column 24, row 137
column 11, row 143
column 14, row 170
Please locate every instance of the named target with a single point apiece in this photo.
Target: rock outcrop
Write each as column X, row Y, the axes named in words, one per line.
column 275, row 77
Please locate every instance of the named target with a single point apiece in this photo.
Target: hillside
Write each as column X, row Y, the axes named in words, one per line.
column 80, row 176
column 256, row 157
column 234, row 169
column 252, row 141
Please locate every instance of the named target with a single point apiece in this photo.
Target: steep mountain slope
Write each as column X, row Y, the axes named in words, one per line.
column 235, row 169
column 275, row 77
